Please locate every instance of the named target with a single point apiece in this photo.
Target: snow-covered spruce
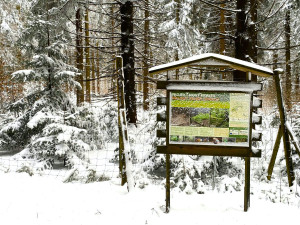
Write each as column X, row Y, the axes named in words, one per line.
column 46, row 125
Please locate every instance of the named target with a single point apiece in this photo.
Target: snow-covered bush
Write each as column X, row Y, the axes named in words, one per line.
column 224, row 166
column 101, row 123
column 188, row 173
column 229, row 184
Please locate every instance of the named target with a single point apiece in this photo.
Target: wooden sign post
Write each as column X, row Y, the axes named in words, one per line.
column 201, row 119
column 208, row 117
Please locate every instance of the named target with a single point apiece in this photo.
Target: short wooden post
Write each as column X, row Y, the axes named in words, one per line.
column 247, row 184
column 247, row 165
column 285, row 136
column 121, row 110
column 168, row 191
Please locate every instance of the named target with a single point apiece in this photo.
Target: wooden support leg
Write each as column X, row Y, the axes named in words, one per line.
column 247, row 184
column 295, row 142
column 167, row 183
column 288, row 156
column 274, row 154
column 285, row 136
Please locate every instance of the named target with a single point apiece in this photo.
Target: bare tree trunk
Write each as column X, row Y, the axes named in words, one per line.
column 93, row 82
column 288, row 73
column 253, row 31
column 2, row 81
column 48, row 45
column 222, row 30
column 127, row 49
column 113, row 24
column 252, row 47
column 241, row 44
column 177, row 17
column 87, row 56
column 275, row 60
column 222, row 49
column 1, row 74
column 98, row 70
column 79, row 56
column 146, row 57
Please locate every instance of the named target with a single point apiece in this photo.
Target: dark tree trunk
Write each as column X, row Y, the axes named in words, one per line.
column 87, row 56
column 79, row 56
column 241, row 43
column 177, row 18
column 146, row 57
column 288, row 73
column 252, row 46
column 253, row 31
column 222, row 30
column 127, row 49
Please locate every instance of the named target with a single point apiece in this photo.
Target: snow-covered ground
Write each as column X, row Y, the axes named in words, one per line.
column 44, row 200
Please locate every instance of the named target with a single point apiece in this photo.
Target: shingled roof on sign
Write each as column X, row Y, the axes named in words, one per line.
column 215, row 60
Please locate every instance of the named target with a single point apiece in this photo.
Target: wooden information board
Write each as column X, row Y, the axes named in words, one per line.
column 202, row 119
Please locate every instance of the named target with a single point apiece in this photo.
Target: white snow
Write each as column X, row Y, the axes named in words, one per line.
column 4, row 27
column 23, row 73
column 47, row 201
column 256, row 102
column 212, row 87
column 255, row 118
column 200, row 57
column 255, row 134
column 38, row 118
column 280, row 70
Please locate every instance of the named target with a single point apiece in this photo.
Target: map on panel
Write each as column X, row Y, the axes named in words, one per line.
column 209, row 118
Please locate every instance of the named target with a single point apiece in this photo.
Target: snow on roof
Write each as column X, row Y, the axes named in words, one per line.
column 225, row 60
column 215, row 86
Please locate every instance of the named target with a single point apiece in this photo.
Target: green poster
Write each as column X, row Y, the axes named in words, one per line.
column 210, row 117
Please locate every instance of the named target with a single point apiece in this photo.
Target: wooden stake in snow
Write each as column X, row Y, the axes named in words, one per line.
column 125, row 165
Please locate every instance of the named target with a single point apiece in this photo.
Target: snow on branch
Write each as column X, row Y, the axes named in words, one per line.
column 226, row 9
column 23, row 75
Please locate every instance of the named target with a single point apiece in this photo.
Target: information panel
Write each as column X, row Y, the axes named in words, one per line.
column 209, row 118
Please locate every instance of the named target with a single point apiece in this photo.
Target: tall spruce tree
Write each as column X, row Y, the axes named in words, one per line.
column 46, row 127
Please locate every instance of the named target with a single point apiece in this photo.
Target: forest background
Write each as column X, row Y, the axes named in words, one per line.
column 57, row 61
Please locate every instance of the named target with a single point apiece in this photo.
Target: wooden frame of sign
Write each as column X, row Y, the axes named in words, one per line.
column 212, row 148
column 209, row 149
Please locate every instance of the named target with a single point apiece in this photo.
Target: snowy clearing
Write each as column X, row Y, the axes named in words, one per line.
column 45, row 200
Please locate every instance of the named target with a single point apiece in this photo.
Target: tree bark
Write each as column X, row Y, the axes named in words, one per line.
column 288, row 73
column 177, row 17
column 79, row 56
column 87, row 56
column 241, row 43
column 127, row 49
column 98, row 70
column 93, row 82
column 252, row 46
column 146, row 57
column 112, row 82
column 222, row 30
